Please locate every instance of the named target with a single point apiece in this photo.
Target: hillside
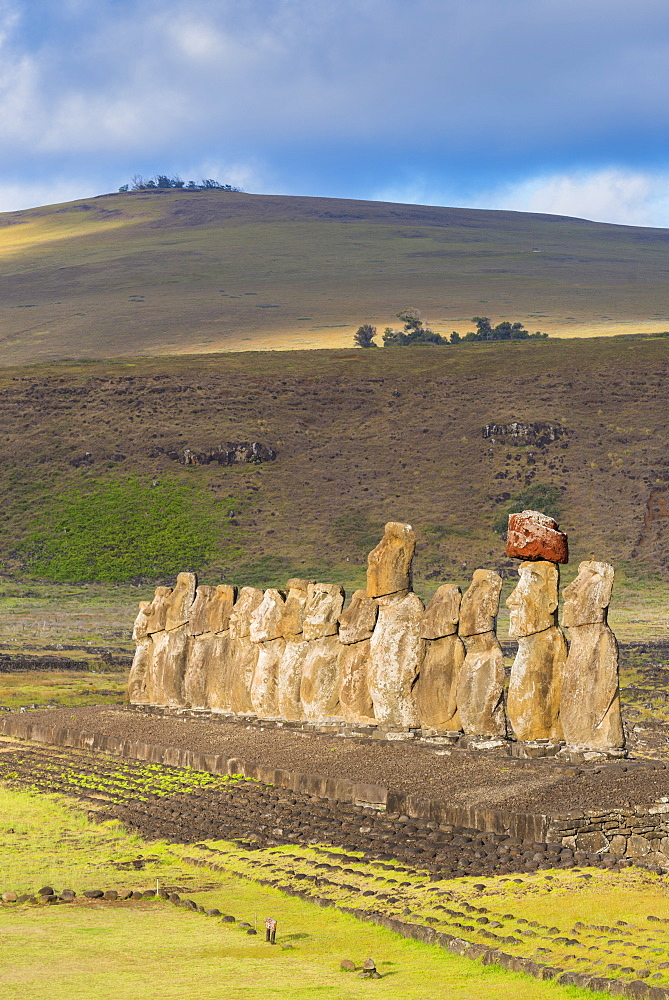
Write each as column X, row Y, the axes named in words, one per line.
column 89, row 490
column 176, row 272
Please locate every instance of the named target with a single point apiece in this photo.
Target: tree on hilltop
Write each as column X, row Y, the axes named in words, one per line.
column 415, row 332
column 364, row 335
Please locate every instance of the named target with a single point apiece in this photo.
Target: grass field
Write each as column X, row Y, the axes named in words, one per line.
column 173, row 273
column 153, row 949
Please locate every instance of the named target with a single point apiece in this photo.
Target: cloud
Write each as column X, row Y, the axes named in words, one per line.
column 613, row 195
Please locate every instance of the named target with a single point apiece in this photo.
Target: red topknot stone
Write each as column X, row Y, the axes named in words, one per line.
column 535, row 536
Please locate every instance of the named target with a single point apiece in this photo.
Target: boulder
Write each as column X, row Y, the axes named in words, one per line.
column 293, row 611
column 480, row 686
column 396, row 654
column 389, row 564
column 357, row 621
column 198, row 622
column 480, row 603
column 265, row 683
column 156, row 613
column 233, row 683
column 323, row 607
column 587, row 598
column 354, row 698
column 266, row 618
column 319, row 686
column 140, row 673
column 240, row 616
column 533, row 535
column 442, row 613
column 533, row 603
column 220, row 608
column 180, row 601
column 168, row 667
column 140, row 628
column 533, row 698
column 590, row 702
column 290, row 679
column 436, row 690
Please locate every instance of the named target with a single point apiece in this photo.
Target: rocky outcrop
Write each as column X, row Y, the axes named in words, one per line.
column 223, row 454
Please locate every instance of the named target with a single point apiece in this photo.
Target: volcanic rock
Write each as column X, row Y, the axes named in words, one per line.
column 357, row 621
column 533, row 698
column 156, row 613
column 319, row 687
column 198, row 621
column 397, row 651
column 220, row 608
column 354, row 697
column 266, row 618
column 436, row 690
column 480, row 603
column 240, row 616
column 180, row 601
column 533, row 535
column 389, row 564
column 442, row 613
column 265, row 684
column 480, row 686
column 534, row 600
column 323, row 607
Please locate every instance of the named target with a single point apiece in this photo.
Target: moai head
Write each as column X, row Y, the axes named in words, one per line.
column 534, row 601
column 480, row 603
column 156, row 613
column 587, row 598
column 389, row 564
column 358, row 621
column 220, row 608
column 198, row 622
column 240, row 616
column 139, row 630
column 293, row 614
column 322, row 610
column 266, row 619
column 181, row 600
column 442, row 613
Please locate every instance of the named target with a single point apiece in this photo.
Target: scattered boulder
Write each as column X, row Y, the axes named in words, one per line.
column 347, row 965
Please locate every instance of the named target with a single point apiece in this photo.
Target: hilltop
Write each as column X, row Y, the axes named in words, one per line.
column 174, row 272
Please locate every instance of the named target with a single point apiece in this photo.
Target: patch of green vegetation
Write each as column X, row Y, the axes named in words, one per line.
column 62, row 687
column 543, row 497
column 356, row 531
column 123, row 530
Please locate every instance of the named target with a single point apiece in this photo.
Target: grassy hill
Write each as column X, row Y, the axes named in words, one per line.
column 361, row 437
column 176, row 272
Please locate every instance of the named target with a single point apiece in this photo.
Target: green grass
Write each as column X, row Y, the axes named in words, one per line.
column 62, row 687
column 152, row 949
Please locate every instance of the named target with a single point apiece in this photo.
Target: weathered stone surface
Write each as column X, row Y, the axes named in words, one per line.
column 535, row 685
column 357, row 621
column 354, row 698
column 533, row 602
column 321, row 614
column 290, row 679
column 436, row 690
column 139, row 629
column 480, row 686
column 265, row 683
column 319, row 687
column 220, row 608
column 638, row 847
column 200, row 659
column 156, row 613
column 240, row 616
column 586, row 599
column 533, row 535
column 180, row 601
column 292, row 621
column 266, row 618
column 198, row 621
column 590, row 703
column 396, row 652
column 140, row 673
column 169, row 667
column 238, row 670
column 480, row 604
column 389, row 564
column 442, row 613
column 219, row 671
column 594, row 842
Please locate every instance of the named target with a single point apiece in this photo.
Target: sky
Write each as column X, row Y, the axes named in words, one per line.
column 556, row 106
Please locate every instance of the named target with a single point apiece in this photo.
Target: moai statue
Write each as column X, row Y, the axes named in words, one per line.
column 243, row 654
column 170, row 646
column 356, row 627
column 533, row 698
column 140, row 671
column 200, row 649
column 290, row 668
column 590, row 704
column 480, row 690
column 319, row 684
column 396, row 648
column 218, row 611
column 265, row 630
column 436, row 690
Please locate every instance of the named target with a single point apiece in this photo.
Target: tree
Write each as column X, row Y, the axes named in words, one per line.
column 364, row 335
column 414, row 331
column 455, row 337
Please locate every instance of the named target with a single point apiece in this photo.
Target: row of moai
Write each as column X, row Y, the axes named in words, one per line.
column 387, row 660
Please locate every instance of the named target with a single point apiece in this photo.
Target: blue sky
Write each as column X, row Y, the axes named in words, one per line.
column 554, row 106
